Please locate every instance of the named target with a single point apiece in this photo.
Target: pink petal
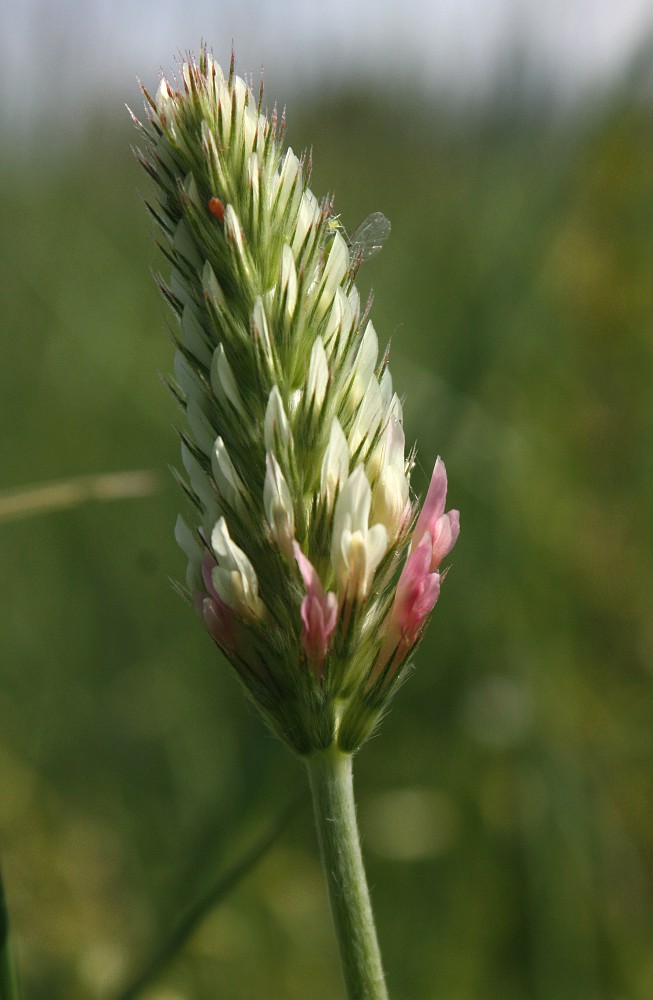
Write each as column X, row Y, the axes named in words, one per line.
column 433, row 507
column 219, row 622
column 426, row 600
column 445, row 535
column 415, row 569
column 319, row 613
column 218, row 617
column 307, row 569
column 443, row 528
column 417, row 591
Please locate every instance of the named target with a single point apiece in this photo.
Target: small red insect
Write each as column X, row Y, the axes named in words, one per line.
column 216, row 208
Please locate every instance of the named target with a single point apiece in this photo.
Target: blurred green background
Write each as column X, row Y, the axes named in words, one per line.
column 506, row 805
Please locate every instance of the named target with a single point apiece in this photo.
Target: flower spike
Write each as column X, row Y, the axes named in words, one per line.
column 308, row 561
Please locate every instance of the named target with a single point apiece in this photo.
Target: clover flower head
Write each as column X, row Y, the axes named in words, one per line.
column 308, row 561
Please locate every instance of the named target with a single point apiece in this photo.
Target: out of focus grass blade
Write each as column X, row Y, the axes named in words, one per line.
column 61, row 494
column 9, row 986
column 196, row 913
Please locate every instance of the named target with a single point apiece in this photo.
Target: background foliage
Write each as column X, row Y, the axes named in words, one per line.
column 506, row 804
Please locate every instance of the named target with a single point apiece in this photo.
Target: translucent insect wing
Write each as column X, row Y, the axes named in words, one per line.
column 368, row 238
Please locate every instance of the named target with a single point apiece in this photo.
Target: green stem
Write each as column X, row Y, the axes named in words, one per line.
column 330, row 773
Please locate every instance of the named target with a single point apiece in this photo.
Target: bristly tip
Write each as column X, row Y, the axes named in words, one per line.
column 146, row 94
column 232, row 64
column 261, row 88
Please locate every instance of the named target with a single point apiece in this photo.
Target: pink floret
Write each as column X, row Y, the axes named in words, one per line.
column 218, row 617
column 417, row 591
column 442, row 528
column 319, row 613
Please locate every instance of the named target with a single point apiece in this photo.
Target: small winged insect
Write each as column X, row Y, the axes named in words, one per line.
column 368, row 238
